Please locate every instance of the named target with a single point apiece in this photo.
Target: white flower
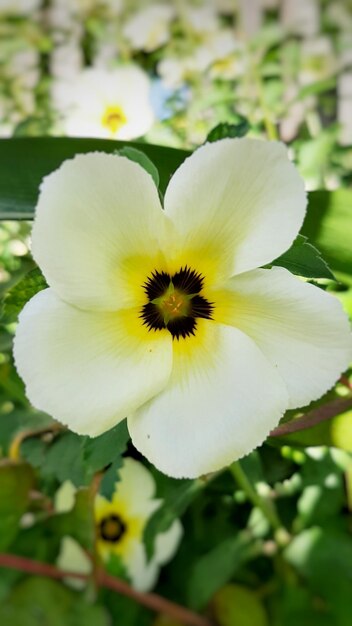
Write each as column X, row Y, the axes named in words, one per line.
column 120, row 525
column 150, row 27
column 66, row 60
column 301, row 17
column 344, row 105
column 72, row 558
column 202, row 20
column 317, row 60
column 102, row 103
column 163, row 316
column 220, row 53
column 174, row 70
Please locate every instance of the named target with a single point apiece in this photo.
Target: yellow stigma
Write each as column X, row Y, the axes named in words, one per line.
column 173, row 303
column 113, row 119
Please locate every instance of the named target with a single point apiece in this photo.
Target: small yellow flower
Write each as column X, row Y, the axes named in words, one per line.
column 163, row 315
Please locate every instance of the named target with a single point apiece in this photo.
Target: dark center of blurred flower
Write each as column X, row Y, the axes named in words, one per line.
column 112, row 528
column 175, row 302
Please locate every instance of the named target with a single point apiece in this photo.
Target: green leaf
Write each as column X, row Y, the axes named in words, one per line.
column 41, row 601
column 25, row 161
column 323, row 557
column 305, row 260
column 101, row 451
column 216, row 568
column 328, row 226
column 16, row 480
column 316, row 88
column 18, row 296
column 61, row 459
column 235, row 604
column 176, row 500
column 224, row 130
column 73, row 457
column 105, row 453
column 141, row 158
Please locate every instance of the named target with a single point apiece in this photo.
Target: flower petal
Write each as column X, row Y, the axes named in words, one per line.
column 238, row 201
column 136, row 489
column 72, row 558
column 143, row 574
column 300, row 328
column 88, row 370
column 222, row 400
column 166, row 543
column 98, row 219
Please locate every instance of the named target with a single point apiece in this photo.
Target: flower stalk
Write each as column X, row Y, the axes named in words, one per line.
column 149, row 600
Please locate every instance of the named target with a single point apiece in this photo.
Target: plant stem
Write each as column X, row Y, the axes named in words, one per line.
column 14, row 451
column 314, row 417
column 264, row 505
column 150, row 600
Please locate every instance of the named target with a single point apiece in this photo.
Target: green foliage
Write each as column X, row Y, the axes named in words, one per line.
column 41, row 601
column 305, row 260
column 237, row 605
column 324, row 558
column 328, row 226
column 217, row 567
column 18, row 296
column 34, row 158
column 224, row 129
column 16, row 480
column 79, row 521
column 105, row 453
column 141, row 158
column 73, row 457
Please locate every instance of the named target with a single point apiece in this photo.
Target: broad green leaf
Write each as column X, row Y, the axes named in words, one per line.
column 16, row 480
column 141, row 158
column 176, row 500
column 79, row 522
column 323, row 492
column 305, row 260
column 25, row 161
column 238, row 605
column 44, row 602
column 323, row 557
column 296, row 605
column 19, row 295
column 328, row 225
column 223, row 130
column 216, row 568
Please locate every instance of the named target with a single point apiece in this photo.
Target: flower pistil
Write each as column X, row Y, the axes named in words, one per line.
column 175, row 302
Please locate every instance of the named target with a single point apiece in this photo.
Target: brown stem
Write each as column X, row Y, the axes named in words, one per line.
column 150, row 600
column 314, row 417
column 14, row 451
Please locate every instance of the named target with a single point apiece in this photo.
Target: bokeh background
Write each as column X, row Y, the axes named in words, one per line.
column 167, row 73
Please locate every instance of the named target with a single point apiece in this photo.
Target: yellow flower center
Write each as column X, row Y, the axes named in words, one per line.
column 173, row 303
column 113, row 119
